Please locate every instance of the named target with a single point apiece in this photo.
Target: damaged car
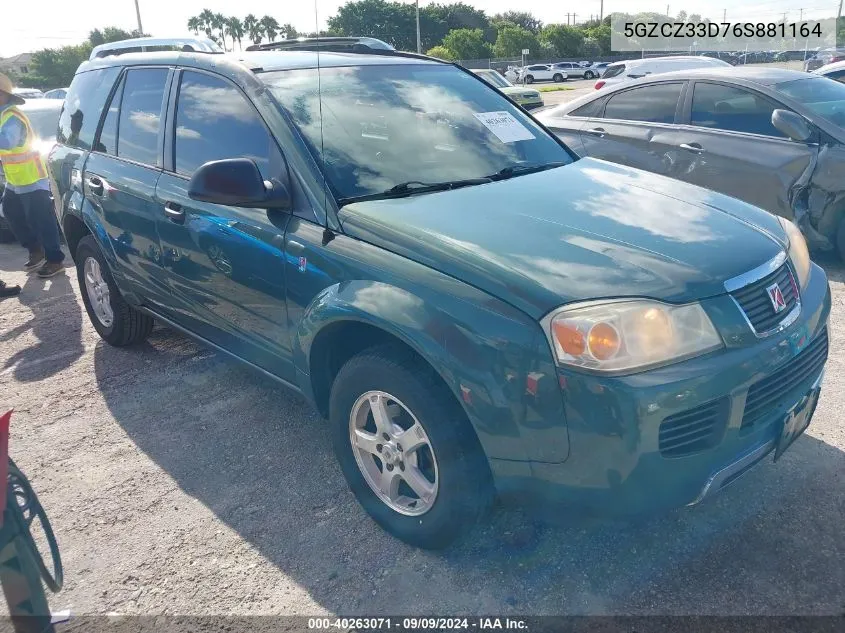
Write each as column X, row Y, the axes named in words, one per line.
column 772, row 137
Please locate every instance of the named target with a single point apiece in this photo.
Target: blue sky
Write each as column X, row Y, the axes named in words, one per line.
column 57, row 22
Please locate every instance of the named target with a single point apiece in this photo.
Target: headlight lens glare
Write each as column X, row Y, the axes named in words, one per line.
column 798, row 251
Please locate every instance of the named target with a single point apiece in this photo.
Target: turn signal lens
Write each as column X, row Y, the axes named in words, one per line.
column 629, row 335
column 604, row 341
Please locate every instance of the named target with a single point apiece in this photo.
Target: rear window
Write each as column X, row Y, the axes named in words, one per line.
column 613, row 71
column 83, row 105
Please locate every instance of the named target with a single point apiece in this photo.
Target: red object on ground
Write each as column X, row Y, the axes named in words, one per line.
column 4, row 460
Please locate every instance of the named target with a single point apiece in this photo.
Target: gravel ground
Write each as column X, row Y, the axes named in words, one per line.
column 179, row 482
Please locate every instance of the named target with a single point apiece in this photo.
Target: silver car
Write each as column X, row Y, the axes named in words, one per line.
column 772, row 137
column 574, row 70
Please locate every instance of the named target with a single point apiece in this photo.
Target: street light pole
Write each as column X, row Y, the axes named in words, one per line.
column 419, row 46
column 138, row 15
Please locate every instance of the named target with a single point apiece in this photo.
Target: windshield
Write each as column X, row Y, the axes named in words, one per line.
column 822, row 96
column 383, row 125
column 44, row 123
column 491, row 76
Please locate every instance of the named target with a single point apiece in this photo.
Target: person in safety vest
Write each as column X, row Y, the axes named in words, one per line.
column 27, row 203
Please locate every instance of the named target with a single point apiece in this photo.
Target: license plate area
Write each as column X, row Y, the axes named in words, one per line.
column 796, row 421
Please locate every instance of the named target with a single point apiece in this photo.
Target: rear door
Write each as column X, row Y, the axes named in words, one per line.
column 121, row 175
column 637, row 127
column 225, row 265
column 730, row 145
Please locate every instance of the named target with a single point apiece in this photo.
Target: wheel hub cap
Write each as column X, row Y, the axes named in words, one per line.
column 97, row 289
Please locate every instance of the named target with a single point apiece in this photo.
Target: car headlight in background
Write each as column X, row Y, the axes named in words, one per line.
column 798, row 251
column 629, row 334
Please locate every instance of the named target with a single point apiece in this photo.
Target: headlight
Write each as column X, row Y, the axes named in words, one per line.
column 629, row 334
column 798, row 252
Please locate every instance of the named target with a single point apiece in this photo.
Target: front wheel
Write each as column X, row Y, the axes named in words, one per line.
column 529, row 79
column 406, row 449
column 589, row 74
column 117, row 322
column 557, row 78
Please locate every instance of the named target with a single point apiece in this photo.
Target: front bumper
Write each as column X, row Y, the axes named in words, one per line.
column 619, row 462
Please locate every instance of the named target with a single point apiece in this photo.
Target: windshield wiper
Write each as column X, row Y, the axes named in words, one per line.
column 523, row 168
column 413, row 187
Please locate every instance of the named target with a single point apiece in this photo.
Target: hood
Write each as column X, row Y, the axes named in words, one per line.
column 588, row 230
column 516, row 90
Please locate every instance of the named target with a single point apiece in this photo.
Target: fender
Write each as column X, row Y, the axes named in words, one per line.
column 496, row 363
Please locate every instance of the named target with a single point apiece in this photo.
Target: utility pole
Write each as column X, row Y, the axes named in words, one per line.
column 724, row 15
column 138, row 15
column 667, row 9
column 838, row 17
column 601, row 11
column 419, row 45
column 801, row 15
column 574, row 20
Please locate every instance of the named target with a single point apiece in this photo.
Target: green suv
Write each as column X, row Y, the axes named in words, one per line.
column 477, row 312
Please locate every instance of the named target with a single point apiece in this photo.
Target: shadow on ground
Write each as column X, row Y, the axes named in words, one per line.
column 260, row 459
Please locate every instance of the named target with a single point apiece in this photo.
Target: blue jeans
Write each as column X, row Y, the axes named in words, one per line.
column 32, row 220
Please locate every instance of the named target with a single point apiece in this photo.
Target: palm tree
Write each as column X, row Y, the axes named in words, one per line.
column 271, row 27
column 289, row 31
column 235, row 29
column 206, row 18
column 218, row 22
column 253, row 29
column 195, row 25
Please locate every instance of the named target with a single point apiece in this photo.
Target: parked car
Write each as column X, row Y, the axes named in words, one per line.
column 725, row 56
column 620, row 72
column 527, row 98
column 585, row 63
column 791, row 56
column 512, row 74
column 575, row 70
column 835, row 71
column 28, row 93
column 600, row 67
column 824, row 57
column 57, row 93
column 772, row 137
column 43, row 114
column 475, row 310
column 541, row 72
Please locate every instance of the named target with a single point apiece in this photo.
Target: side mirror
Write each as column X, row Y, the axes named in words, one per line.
column 791, row 124
column 237, row 182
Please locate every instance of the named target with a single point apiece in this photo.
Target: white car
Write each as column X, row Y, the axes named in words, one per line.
column 635, row 68
column 541, row 72
column 576, row 70
column 835, row 71
column 28, row 93
column 56, row 93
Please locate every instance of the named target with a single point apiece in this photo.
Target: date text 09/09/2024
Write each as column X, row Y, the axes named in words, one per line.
column 418, row 624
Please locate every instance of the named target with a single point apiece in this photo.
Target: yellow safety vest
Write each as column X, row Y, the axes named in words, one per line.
column 22, row 165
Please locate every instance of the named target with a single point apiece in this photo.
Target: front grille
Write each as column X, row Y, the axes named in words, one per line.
column 774, row 391
column 694, row 430
column 755, row 302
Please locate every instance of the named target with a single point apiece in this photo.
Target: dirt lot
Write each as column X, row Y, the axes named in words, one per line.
column 179, row 482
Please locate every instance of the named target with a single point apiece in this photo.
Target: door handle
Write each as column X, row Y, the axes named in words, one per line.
column 597, row 131
column 695, row 148
column 96, row 185
column 174, row 212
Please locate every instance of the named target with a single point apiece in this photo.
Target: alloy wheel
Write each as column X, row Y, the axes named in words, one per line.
column 97, row 289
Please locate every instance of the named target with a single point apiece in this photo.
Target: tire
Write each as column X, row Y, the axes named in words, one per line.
column 529, row 79
column 450, row 456
column 840, row 239
column 127, row 325
column 557, row 78
column 589, row 74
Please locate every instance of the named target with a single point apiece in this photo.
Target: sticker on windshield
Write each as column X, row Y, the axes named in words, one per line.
column 506, row 128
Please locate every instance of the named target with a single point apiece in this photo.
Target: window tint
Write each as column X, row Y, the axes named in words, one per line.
column 613, row 71
column 839, row 76
column 591, row 109
column 107, row 142
column 140, row 115
column 729, row 108
column 655, row 104
column 215, row 121
column 83, row 104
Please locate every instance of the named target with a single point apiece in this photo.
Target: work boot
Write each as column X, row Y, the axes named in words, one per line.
column 36, row 260
column 8, row 291
column 49, row 269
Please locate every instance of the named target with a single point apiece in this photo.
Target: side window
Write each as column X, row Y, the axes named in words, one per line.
column 592, row 109
column 734, row 109
column 613, row 71
column 655, row 104
column 83, row 105
column 107, row 143
column 839, row 76
column 140, row 115
column 214, row 121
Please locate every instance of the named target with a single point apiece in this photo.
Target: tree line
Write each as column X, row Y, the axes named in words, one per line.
column 218, row 27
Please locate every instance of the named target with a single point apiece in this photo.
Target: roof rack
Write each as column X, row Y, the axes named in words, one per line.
column 333, row 44
column 141, row 44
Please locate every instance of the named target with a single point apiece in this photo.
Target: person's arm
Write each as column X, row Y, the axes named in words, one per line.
column 12, row 134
